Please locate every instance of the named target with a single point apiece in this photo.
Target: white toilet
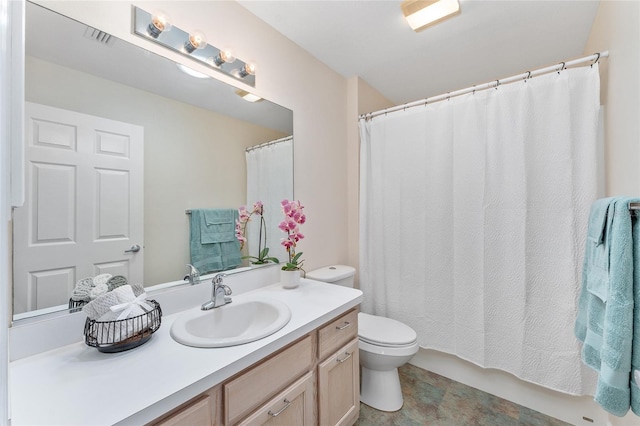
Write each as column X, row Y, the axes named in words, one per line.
column 385, row 344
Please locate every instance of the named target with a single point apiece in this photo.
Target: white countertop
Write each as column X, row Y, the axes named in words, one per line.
column 78, row 385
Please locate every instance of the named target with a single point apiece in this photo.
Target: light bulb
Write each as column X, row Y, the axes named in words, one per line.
column 248, row 69
column 196, row 40
column 160, row 22
column 224, row 56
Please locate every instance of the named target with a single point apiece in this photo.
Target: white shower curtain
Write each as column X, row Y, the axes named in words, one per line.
column 473, row 220
column 270, row 180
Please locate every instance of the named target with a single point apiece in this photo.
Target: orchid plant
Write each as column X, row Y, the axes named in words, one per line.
column 241, row 229
column 293, row 216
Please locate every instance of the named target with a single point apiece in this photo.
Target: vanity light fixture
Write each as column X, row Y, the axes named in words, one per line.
column 422, row 13
column 225, row 56
column 196, row 40
column 160, row 22
column 194, row 45
column 247, row 69
column 248, row 96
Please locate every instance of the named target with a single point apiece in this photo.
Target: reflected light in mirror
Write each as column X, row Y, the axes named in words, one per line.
column 247, row 96
column 193, row 73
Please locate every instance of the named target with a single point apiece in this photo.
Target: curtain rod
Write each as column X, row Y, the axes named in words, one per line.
column 495, row 83
column 262, row 145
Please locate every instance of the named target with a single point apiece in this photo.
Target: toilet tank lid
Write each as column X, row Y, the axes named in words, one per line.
column 330, row 274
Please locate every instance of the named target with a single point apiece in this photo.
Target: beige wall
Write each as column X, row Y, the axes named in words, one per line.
column 617, row 29
column 193, row 158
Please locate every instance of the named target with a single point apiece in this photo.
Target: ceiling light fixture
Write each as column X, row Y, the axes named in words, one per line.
column 247, row 96
column 191, row 72
column 422, row 13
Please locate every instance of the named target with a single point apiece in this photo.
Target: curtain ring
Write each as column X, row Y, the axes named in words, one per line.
column 561, row 69
column 597, row 59
column 448, row 95
column 497, row 84
column 528, row 76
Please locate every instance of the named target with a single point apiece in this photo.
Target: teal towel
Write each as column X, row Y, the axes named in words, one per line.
column 211, row 257
column 217, row 225
column 606, row 305
column 635, row 349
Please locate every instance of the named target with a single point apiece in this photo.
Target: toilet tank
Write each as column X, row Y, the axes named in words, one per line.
column 334, row 274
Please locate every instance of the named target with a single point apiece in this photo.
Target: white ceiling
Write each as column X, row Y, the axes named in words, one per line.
column 487, row 41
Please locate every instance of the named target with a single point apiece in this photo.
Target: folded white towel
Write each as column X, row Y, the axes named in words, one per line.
column 82, row 290
column 100, row 306
column 98, row 290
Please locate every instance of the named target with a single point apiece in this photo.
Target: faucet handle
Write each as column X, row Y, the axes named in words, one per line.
column 192, row 269
column 194, row 275
column 217, row 278
column 227, row 290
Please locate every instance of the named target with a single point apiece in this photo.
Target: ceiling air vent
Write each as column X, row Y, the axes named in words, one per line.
column 99, row 36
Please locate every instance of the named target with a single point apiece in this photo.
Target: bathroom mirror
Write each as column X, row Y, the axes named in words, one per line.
column 195, row 133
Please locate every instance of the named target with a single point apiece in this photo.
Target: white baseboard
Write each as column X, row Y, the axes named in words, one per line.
column 571, row 409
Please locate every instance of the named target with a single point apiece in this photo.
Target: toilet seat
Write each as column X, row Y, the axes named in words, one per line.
column 385, row 332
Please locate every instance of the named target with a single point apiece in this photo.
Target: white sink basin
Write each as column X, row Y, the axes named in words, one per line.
column 238, row 322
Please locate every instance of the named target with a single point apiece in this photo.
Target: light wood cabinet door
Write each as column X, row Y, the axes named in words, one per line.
column 294, row 406
column 338, row 387
column 198, row 413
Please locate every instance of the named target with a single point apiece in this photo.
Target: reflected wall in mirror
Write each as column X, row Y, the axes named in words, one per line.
column 194, row 134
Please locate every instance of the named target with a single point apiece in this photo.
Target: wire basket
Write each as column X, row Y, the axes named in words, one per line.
column 76, row 305
column 122, row 335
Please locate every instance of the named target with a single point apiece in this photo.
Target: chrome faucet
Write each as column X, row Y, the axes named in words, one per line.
column 220, row 293
column 194, row 275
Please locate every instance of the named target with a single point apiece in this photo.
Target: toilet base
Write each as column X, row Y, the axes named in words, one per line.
column 381, row 389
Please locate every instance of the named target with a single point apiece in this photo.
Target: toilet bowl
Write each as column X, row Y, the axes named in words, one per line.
column 385, row 344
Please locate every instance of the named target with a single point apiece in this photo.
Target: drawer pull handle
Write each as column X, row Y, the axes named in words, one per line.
column 287, row 404
column 348, row 355
column 346, row 324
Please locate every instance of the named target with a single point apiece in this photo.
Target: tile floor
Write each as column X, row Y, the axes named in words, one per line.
column 433, row 400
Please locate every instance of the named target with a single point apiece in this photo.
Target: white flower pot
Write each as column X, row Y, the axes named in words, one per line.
column 290, row 279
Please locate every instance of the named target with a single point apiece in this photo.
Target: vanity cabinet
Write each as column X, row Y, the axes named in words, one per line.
column 313, row 381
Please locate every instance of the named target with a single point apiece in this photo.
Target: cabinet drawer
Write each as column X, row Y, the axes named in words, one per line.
column 293, row 406
column 338, row 332
column 197, row 413
column 253, row 388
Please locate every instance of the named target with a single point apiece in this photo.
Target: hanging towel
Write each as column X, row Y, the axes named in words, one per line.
column 212, row 257
column 218, row 225
column 635, row 349
column 605, row 312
